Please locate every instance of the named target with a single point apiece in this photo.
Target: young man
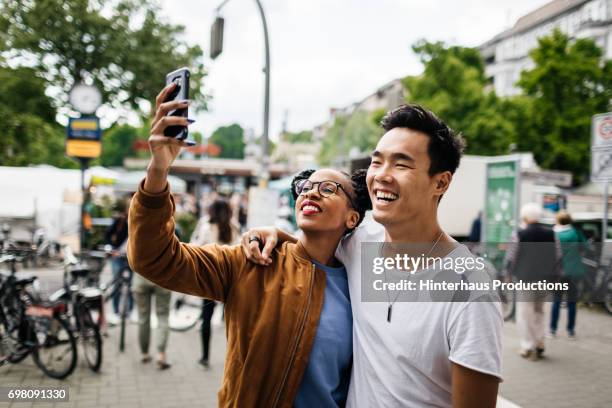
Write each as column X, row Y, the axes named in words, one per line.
column 413, row 354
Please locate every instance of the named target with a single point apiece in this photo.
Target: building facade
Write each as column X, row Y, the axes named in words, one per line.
column 507, row 54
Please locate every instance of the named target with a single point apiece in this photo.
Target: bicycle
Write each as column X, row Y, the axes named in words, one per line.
column 83, row 303
column 185, row 312
column 120, row 285
column 33, row 328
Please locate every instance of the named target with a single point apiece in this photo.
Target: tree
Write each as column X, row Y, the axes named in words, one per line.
column 298, row 137
column 98, row 42
column 358, row 130
column 231, row 141
column 29, row 133
column 453, row 86
column 118, row 143
column 568, row 85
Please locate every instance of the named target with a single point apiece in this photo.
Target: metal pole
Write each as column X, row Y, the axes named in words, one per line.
column 265, row 175
column 604, row 224
column 84, row 163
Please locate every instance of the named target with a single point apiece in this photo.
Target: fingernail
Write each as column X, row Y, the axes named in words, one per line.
column 190, row 120
column 185, row 102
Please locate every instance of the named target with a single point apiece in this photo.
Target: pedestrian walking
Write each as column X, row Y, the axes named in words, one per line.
column 572, row 243
column 146, row 293
column 529, row 260
column 215, row 227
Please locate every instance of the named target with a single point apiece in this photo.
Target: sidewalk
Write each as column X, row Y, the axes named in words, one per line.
column 124, row 381
column 573, row 374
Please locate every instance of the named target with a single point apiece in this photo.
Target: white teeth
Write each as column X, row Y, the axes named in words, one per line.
column 386, row 196
column 310, row 208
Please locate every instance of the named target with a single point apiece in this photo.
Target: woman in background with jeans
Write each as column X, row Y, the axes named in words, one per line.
column 144, row 292
column 571, row 241
column 216, row 227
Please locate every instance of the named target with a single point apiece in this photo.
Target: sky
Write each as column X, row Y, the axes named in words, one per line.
column 324, row 53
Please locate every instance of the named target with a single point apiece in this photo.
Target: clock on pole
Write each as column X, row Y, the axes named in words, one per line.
column 83, row 135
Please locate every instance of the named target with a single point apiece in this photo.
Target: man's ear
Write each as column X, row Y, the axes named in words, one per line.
column 442, row 182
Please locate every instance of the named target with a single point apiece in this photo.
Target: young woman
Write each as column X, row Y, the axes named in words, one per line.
column 215, row 227
column 289, row 323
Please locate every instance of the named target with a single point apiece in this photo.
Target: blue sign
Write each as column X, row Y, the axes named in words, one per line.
column 84, row 129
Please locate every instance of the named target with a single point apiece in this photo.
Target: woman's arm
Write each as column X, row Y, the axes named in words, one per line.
column 155, row 252
column 153, row 249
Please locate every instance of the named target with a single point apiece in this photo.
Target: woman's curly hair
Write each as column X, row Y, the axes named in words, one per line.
column 361, row 197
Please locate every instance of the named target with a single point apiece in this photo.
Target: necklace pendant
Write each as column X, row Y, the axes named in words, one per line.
column 389, row 311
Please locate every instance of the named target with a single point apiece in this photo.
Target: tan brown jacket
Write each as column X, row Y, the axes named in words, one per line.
column 271, row 312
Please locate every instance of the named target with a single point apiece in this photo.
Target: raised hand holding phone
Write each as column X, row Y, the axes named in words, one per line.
column 180, row 92
column 164, row 149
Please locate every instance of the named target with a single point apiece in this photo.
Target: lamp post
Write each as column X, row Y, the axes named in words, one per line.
column 216, row 48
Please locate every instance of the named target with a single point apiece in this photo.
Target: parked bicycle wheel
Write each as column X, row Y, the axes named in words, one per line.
column 18, row 342
column 185, row 312
column 91, row 340
column 56, row 352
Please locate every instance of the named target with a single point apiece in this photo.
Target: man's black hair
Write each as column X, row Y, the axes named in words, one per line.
column 445, row 146
column 360, row 198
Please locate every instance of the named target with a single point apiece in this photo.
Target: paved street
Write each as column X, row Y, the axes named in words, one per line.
column 574, row 374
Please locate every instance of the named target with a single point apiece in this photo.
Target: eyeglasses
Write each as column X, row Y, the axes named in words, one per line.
column 326, row 188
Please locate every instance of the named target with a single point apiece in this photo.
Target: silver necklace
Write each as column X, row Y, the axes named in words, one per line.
column 389, row 303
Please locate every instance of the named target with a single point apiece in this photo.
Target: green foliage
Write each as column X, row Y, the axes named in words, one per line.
column 231, row 141
column 186, row 223
column 568, row 85
column 304, row 136
column 453, row 86
column 30, row 134
column 358, row 130
column 118, row 143
column 98, row 41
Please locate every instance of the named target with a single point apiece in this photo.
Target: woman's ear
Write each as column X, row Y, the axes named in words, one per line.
column 352, row 219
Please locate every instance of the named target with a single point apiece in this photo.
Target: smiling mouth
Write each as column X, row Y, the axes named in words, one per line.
column 385, row 196
column 309, row 207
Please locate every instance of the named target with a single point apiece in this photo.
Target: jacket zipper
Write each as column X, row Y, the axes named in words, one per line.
column 297, row 340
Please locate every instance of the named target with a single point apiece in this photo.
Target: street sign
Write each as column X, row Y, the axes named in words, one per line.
column 601, row 130
column 601, row 147
column 501, row 200
column 83, row 138
column 601, row 164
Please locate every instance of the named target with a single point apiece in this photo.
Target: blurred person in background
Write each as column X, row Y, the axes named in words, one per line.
column 532, row 263
column 215, row 227
column 572, row 242
column 116, row 237
column 239, row 213
column 144, row 292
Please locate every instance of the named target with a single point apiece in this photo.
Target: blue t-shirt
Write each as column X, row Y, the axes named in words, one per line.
column 326, row 379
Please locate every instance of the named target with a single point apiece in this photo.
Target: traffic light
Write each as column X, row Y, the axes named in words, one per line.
column 216, row 38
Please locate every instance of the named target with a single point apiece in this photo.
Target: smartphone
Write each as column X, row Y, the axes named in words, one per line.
column 180, row 92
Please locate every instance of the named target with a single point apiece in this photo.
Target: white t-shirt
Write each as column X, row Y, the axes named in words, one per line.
column 407, row 362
